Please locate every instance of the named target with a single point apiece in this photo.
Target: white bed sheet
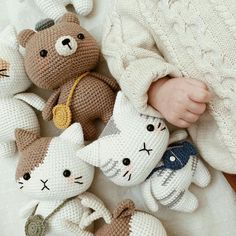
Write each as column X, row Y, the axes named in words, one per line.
column 216, row 215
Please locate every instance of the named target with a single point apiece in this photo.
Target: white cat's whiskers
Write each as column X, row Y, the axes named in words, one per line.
column 77, row 180
column 21, row 184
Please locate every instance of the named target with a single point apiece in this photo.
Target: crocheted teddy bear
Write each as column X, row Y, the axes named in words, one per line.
column 130, row 148
column 60, row 57
column 127, row 221
column 57, row 8
column 15, row 104
column 50, row 172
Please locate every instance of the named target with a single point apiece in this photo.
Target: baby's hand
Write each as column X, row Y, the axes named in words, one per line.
column 181, row 101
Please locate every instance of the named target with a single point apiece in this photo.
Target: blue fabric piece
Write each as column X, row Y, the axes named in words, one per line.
column 176, row 156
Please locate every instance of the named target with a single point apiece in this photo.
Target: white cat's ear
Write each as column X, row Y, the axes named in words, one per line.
column 123, row 110
column 178, row 135
column 74, row 134
column 8, row 37
column 91, row 154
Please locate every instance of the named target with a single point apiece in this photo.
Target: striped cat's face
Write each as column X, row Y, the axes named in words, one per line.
column 13, row 78
column 129, row 156
column 54, row 172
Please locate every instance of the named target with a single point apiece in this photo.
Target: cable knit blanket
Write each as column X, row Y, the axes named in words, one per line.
column 216, row 215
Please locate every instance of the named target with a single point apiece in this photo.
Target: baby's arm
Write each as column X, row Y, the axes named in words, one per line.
column 132, row 55
column 137, row 64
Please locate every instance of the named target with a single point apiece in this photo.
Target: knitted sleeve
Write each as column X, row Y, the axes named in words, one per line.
column 132, row 54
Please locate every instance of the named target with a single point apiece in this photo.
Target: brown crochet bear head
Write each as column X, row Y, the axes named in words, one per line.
column 58, row 52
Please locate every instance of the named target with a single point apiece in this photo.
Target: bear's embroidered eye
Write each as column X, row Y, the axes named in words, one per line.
column 26, row 176
column 43, row 53
column 126, row 161
column 150, row 128
column 80, row 36
column 67, row 173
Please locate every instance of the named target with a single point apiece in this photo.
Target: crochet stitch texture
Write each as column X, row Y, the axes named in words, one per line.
column 127, row 221
column 49, row 172
column 55, row 57
column 137, row 144
column 147, row 40
column 15, row 104
column 57, row 8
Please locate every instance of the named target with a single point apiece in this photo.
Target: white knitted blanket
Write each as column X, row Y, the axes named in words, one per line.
column 217, row 213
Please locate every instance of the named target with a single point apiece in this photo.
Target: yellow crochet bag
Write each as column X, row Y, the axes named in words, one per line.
column 62, row 115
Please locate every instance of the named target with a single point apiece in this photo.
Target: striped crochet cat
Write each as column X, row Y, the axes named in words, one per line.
column 168, row 183
column 130, row 148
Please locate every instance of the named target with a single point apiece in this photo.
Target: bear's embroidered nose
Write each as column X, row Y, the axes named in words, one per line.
column 66, row 45
column 66, row 42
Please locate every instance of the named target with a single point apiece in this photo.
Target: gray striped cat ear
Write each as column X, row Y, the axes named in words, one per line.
column 110, row 129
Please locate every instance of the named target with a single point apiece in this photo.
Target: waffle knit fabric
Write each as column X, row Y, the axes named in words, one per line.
column 55, row 57
column 128, row 156
column 147, row 40
column 169, row 182
column 16, row 106
column 127, row 221
column 57, row 8
column 50, row 173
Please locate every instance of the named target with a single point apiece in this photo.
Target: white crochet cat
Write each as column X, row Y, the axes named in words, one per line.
column 15, row 105
column 57, row 8
column 128, row 152
column 169, row 186
column 50, row 173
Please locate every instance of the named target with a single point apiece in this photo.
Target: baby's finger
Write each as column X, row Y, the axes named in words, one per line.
column 198, row 83
column 196, row 108
column 200, row 95
column 190, row 117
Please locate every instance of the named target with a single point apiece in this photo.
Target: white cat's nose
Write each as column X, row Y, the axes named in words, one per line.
column 66, row 46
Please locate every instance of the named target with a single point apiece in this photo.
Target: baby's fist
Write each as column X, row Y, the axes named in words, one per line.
column 181, row 101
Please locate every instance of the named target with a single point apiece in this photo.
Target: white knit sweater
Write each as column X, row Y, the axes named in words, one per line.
column 147, row 40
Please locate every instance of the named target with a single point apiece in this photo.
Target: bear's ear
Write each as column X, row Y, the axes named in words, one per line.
column 25, row 138
column 24, row 36
column 124, row 209
column 70, row 17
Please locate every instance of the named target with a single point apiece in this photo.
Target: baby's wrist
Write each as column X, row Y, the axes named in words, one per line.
column 154, row 92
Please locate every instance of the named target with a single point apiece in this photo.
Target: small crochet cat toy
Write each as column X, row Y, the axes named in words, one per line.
column 130, row 148
column 15, row 104
column 50, row 172
column 127, row 221
column 168, row 183
column 60, row 57
column 57, row 8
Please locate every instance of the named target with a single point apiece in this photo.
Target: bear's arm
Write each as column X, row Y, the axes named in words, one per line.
column 107, row 80
column 52, row 101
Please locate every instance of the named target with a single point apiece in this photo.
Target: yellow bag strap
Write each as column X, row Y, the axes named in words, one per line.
column 74, row 87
